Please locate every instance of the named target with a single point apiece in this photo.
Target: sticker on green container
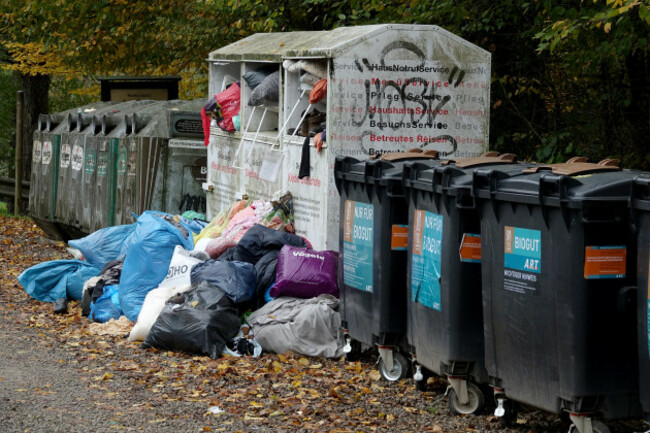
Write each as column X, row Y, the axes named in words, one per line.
column 522, row 261
column 427, row 259
column 358, row 227
column 47, row 152
column 66, row 152
column 77, row 159
column 121, row 162
column 36, row 155
column 90, row 161
column 102, row 163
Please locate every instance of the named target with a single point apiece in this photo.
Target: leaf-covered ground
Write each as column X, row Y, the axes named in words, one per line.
column 60, row 374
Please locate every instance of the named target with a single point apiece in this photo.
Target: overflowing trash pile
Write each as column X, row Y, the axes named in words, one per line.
column 241, row 284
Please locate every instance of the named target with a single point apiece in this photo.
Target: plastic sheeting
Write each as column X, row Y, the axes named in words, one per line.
column 49, row 281
column 104, row 245
column 150, row 250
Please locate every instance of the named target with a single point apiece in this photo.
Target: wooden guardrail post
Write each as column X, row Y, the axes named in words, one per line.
column 18, row 160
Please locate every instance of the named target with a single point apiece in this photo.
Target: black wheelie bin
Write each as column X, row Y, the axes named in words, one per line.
column 373, row 239
column 641, row 208
column 444, row 309
column 559, row 260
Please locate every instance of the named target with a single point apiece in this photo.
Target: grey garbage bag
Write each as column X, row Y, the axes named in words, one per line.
column 267, row 92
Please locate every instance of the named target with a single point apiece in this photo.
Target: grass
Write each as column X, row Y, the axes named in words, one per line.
column 3, row 208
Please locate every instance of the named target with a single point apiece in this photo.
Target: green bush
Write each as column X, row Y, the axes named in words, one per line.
column 7, row 122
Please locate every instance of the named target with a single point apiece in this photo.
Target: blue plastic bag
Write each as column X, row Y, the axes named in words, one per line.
column 49, row 281
column 107, row 306
column 236, row 279
column 104, row 245
column 267, row 295
column 149, row 251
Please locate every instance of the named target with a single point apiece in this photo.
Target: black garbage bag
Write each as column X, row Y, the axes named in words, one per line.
column 203, row 324
column 266, row 269
column 259, row 240
column 236, row 279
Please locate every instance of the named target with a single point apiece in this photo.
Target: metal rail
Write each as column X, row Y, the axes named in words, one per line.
column 8, row 187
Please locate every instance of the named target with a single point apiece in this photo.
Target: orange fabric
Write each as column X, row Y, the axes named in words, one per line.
column 319, row 91
column 318, row 141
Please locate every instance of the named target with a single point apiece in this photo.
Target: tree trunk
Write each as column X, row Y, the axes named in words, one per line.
column 638, row 112
column 36, row 88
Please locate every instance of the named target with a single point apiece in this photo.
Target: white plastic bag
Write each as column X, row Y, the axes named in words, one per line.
column 179, row 268
column 151, row 308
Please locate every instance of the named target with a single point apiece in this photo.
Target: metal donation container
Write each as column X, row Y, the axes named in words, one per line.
column 389, row 88
column 444, row 302
column 373, row 238
column 163, row 146
column 45, row 170
column 71, row 170
column 558, row 262
column 105, row 161
column 85, row 200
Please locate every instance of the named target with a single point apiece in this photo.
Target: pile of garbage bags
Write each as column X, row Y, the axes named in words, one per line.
column 241, row 284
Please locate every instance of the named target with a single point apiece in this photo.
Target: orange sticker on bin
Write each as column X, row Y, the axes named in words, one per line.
column 605, row 262
column 470, row 248
column 399, row 237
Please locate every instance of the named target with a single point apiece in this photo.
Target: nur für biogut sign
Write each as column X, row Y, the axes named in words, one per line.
column 426, row 259
column 358, row 228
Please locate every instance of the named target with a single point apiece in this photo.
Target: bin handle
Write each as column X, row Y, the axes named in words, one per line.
column 552, row 179
column 626, row 300
column 640, row 182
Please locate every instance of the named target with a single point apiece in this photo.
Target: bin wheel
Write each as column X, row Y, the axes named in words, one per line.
column 474, row 405
column 355, row 354
column 509, row 419
column 421, row 385
column 596, row 426
column 400, row 368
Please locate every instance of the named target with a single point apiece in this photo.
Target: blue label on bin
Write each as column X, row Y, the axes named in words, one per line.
column 522, row 259
column 358, row 233
column 426, row 260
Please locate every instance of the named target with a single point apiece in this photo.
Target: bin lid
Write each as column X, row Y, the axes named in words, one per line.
column 487, row 158
column 452, row 175
column 379, row 169
column 576, row 166
column 640, row 194
column 411, row 154
column 572, row 184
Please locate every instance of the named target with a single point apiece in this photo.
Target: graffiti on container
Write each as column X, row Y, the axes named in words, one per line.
column 412, row 103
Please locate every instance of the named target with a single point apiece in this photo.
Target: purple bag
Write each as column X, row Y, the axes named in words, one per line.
column 305, row 273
